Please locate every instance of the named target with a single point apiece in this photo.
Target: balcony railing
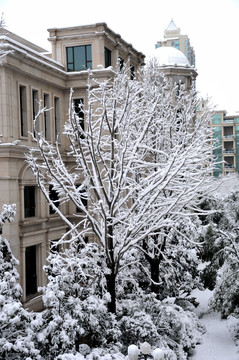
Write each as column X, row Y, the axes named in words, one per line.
column 228, row 136
column 228, row 151
column 228, row 166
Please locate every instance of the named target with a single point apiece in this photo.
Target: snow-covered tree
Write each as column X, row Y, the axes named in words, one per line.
column 140, row 164
column 15, row 333
column 226, row 293
column 76, row 311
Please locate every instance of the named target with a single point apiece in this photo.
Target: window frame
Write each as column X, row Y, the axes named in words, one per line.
column 75, row 61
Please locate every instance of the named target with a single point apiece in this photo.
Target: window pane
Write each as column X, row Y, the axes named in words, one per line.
column 31, row 270
column 82, row 58
column 70, row 55
column 29, row 201
column 88, row 52
column 54, row 197
column 70, row 67
column 23, row 110
column 107, row 57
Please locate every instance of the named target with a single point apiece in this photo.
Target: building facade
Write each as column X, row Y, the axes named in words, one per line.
column 176, row 67
column 174, row 38
column 226, row 139
column 28, row 74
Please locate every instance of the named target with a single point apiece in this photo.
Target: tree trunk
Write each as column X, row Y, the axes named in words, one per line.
column 154, row 268
column 110, row 278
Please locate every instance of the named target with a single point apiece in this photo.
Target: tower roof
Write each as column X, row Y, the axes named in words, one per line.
column 170, row 56
column 171, row 26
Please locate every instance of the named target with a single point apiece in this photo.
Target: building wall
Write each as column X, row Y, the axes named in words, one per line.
column 28, row 74
column 226, row 138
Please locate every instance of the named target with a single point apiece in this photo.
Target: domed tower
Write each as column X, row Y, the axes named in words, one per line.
column 175, row 66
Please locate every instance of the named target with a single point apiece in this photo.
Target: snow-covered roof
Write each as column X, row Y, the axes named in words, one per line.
column 167, row 55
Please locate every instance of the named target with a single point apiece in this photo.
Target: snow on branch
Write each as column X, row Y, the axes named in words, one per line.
column 7, row 214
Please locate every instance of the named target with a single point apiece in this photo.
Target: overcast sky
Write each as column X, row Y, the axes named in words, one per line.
column 212, row 26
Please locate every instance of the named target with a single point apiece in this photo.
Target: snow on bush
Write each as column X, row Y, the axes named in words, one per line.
column 76, row 308
column 15, row 322
column 162, row 324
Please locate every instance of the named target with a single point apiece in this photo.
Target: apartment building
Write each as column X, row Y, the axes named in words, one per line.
column 226, row 139
column 174, row 38
column 28, row 74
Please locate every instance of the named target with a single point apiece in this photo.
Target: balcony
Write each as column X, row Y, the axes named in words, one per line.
column 228, row 166
column 229, row 136
column 228, row 151
column 228, row 121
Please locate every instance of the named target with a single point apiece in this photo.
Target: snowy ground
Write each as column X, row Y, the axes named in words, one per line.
column 217, row 343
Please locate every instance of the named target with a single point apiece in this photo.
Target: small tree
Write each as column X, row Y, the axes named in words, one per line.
column 134, row 163
column 15, row 333
column 226, row 292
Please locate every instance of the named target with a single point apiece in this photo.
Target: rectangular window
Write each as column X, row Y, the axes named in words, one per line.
column 29, row 201
column 57, row 117
column 132, row 72
column 54, row 197
column 31, row 270
column 23, row 110
column 83, row 198
column 121, row 63
column 47, row 123
column 54, row 246
column 79, row 58
column 107, row 57
column 35, row 106
column 79, row 110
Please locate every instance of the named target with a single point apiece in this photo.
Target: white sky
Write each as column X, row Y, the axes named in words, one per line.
column 212, row 26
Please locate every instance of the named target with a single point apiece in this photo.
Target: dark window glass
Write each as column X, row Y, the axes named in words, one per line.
column 54, row 197
column 35, row 107
column 29, row 201
column 121, row 63
column 132, row 72
column 83, row 198
column 54, row 246
column 107, row 57
column 31, row 270
column 23, row 110
column 79, row 110
column 47, row 124
column 57, row 117
column 79, row 58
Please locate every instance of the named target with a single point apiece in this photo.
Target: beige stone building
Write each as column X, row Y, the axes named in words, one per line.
column 29, row 74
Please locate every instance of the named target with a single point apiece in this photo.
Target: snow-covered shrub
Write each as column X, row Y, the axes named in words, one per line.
column 15, row 322
column 226, row 294
column 233, row 325
column 162, row 324
column 76, row 303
